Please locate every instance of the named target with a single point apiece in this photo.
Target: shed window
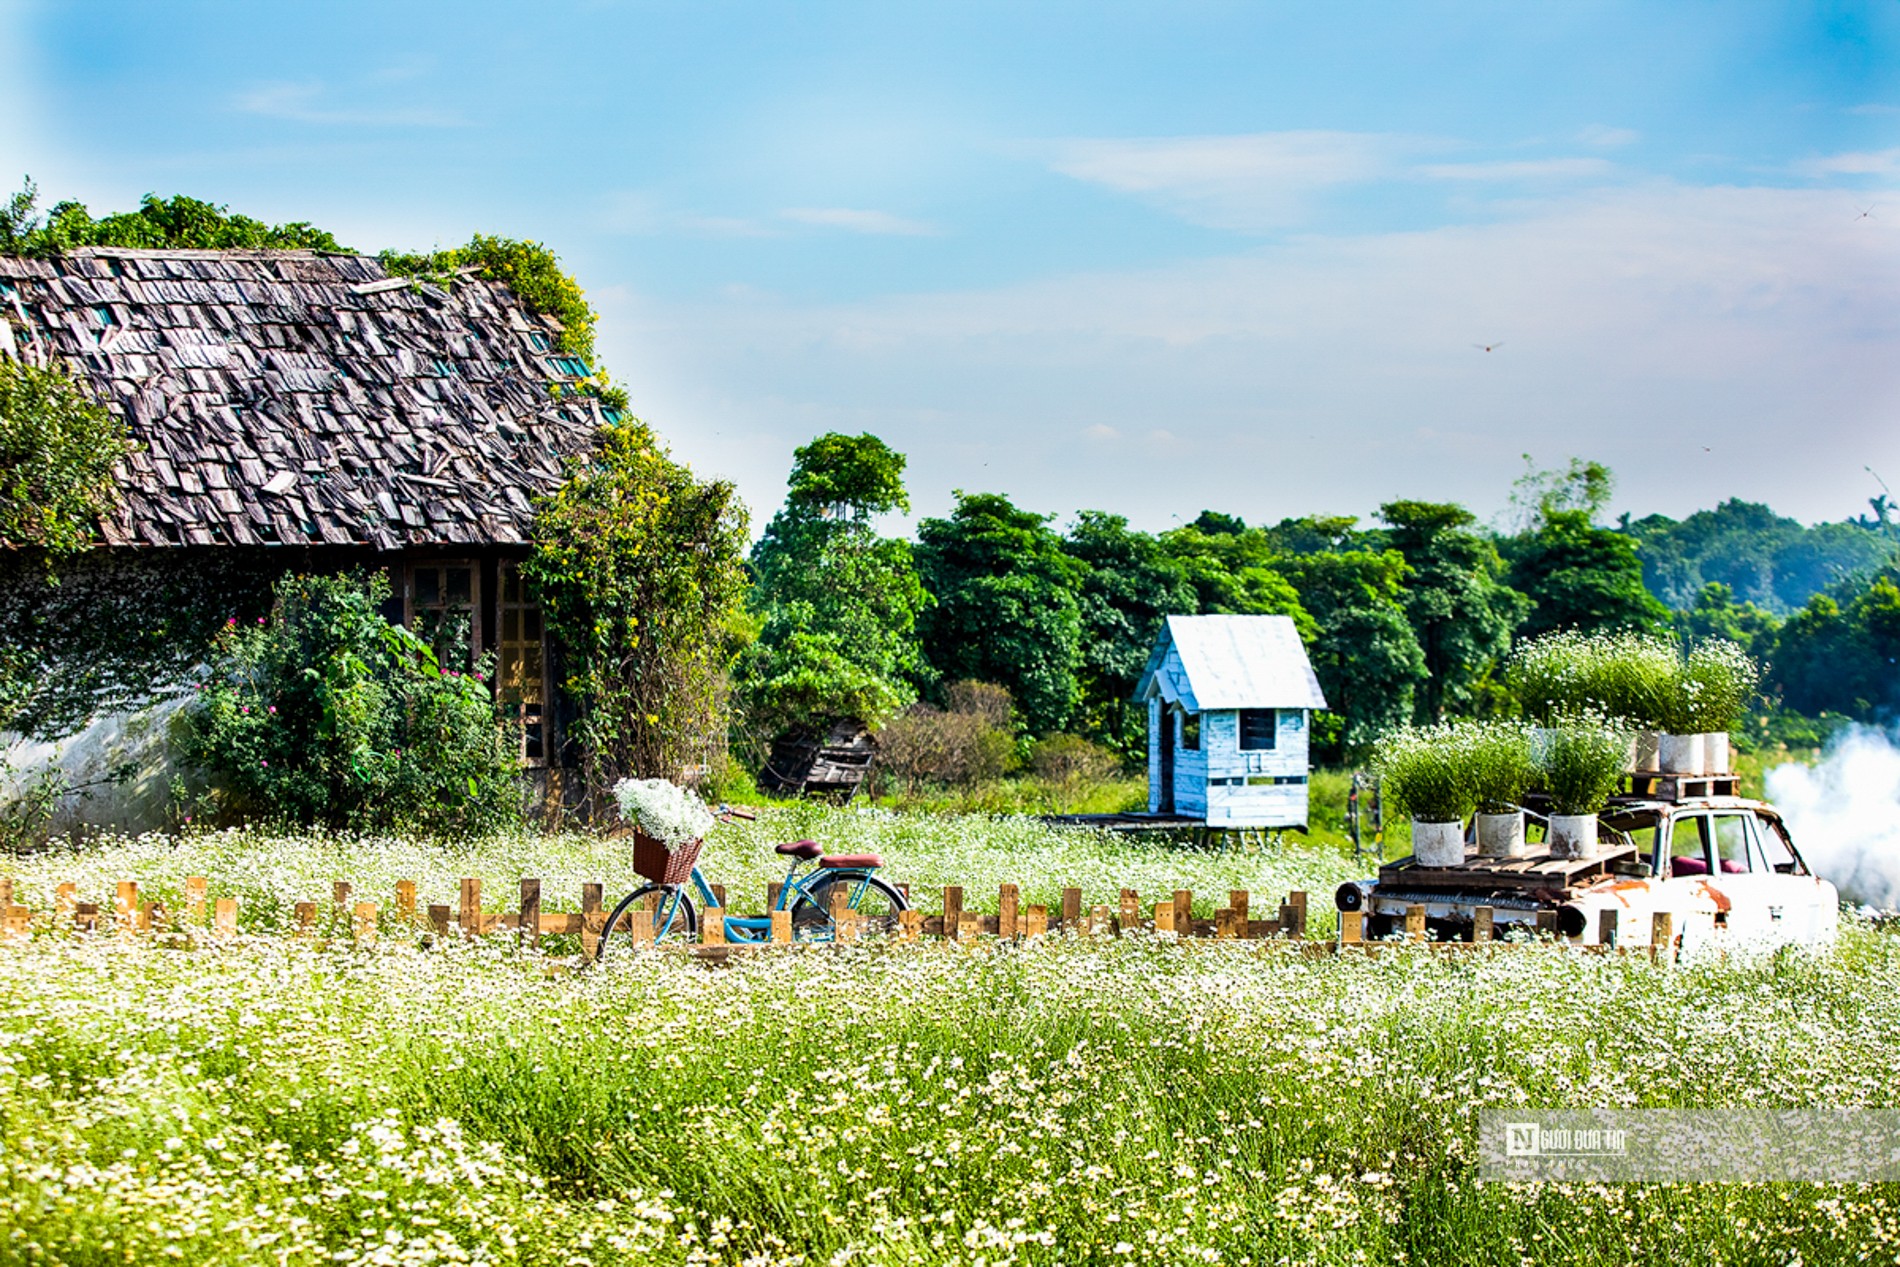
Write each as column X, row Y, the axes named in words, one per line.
column 1259, row 729
column 444, row 600
column 1191, row 732
column 521, row 669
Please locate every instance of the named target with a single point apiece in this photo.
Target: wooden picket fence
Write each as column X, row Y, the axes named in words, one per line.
column 129, row 914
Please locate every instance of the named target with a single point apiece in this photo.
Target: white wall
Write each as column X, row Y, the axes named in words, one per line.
column 136, row 739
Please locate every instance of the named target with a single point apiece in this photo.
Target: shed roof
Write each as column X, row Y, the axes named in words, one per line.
column 302, row 398
column 1232, row 662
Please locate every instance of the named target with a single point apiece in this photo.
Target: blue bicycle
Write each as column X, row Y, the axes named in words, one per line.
column 814, row 882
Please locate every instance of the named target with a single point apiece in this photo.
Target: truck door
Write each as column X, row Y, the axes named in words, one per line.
column 1811, row 907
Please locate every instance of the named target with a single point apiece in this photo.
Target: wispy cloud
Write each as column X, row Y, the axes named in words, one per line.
column 1873, row 107
column 638, row 212
column 305, row 102
column 1253, row 181
column 1861, row 163
column 1601, row 137
column 1521, row 169
column 882, row 223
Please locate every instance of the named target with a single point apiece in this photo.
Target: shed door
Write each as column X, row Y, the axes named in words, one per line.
column 1165, row 804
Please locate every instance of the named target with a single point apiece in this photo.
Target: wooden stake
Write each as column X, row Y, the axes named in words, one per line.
column 1164, row 916
column 65, row 901
column 1415, row 922
column 1184, row 912
column 1071, row 908
column 1007, row 900
column 782, row 927
column 1237, row 899
column 1546, row 923
column 1224, row 924
column 306, row 918
column 340, row 897
column 719, row 896
column 969, row 928
column 1037, row 925
column 1130, row 913
column 365, row 923
column 1483, row 926
column 195, row 890
column 1098, row 921
column 531, row 911
column 439, row 914
column 225, row 923
column 713, row 931
column 952, row 909
column 406, row 901
column 910, row 925
column 1352, row 927
column 468, row 914
column 593, row 919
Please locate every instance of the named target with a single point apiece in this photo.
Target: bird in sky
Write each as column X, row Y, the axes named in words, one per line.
column 1489, row 347
column 1867, row 213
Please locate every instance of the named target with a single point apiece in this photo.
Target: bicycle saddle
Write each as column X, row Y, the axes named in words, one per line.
column 803, row 850
column 867, row 861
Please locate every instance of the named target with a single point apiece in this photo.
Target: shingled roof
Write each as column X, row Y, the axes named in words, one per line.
column 298, row 398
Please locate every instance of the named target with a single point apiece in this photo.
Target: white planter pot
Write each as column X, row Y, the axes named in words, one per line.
column 1681, row 754
column 1646, row 752
column 1715, row 754
column 1573, row 835
column 1438, row 844
column 1501, row 835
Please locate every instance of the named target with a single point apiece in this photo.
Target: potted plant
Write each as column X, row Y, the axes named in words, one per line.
column 1717, row 679
column 1548, row 675
column 1425, row 773
column 1580, row 763
column 1632, row 678
column 1498, row 757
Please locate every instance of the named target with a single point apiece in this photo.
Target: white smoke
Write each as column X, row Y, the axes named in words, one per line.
column 1844, row 815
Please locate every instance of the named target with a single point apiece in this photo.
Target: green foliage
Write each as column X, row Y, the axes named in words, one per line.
column 967, row 743
column 325, row 713
column 1460, row 610
column 1635, row 678
column 1581, row 763
column 639, row 567
column 1579, row 576
column 1236, row 573
column 1837, row 654
column 175, row 223
column 1764, row 558
column 1426, row 773
column 1716, row 614
column 57, row 451
column 837, row 604
column 1365, row 654
column 1006, row 605
column 1581, row 488
column 1501, row 763
column 530, row 269
column 1129, row 586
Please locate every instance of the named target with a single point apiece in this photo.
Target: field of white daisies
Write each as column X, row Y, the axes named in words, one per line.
column 271, row 1100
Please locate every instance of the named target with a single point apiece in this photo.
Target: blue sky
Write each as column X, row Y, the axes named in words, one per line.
column 1140, row 257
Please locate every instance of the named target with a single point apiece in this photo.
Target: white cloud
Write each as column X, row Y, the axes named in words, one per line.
column 1254, row 181
column 1523, row 169
column 881, row 223
column 1608, row 138
column 301, row 102
column 1863, row 163
column 1643, row 323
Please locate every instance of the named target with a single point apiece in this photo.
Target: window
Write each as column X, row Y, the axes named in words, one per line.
column 1275, row 780
column 1688, row 846
column 521, row 685
column 443, row 602
column 1731, row 842
column 539, row 342
column 1775, row 853
column 1259, row 729
column 1190, row 732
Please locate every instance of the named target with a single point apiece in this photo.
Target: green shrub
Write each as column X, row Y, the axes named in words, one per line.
column 1626, row 675
column 1070, row 761
column 325, row 713
column 1502, row 767
column 1427, row 773
column 57, row 451
column 1714, row 687
column 1581, row 763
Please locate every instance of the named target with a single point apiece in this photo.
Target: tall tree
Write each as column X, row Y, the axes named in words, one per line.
column 1365, row 655
column 1129, row 587
column 1460, row 610
column 1579, row 576
column 1838, row 654
column 837, row 604
column 1007, row 610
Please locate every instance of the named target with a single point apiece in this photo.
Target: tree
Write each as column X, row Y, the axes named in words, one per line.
column 837, row 603
column 1459, row 608
column 57, row 451
column 1129, row 586
column 1716, row 614
column 1006, row 608
column 1365, row 655
column 1579, row 576
column 175, row 223
column 1841, row 653
column 639, row 567
column 1234, row 574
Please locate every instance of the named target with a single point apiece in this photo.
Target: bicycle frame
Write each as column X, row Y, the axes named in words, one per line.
column 751, row 928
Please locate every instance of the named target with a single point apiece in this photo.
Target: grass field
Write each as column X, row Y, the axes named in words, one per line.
column 272, row 1101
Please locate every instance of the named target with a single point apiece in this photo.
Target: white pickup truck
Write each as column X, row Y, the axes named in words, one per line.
column 1723, row 867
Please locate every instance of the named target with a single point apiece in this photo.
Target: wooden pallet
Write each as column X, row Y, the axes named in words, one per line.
column 1531, row 871
column 1682, row 787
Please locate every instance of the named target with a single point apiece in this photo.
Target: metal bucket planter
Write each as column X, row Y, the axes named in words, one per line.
column 1438, row 844
column 1682, row 754
column 1715, row 753
column 1573, row 836
column 1646, row 752
column 1501, row 835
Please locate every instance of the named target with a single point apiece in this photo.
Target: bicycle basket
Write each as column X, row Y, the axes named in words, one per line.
column 654, row 861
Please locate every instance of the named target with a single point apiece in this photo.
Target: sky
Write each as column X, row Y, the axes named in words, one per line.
column 1144, row 258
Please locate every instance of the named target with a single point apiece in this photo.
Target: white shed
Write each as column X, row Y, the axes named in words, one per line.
column 1230, row 702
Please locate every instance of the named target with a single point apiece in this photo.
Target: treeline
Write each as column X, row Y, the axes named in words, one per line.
column 1407, row 618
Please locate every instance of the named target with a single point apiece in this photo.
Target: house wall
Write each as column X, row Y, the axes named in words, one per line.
column 1236, row 796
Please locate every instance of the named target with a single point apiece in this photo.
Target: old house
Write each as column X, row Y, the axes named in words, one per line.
column 303, row 410
column 1230, row 702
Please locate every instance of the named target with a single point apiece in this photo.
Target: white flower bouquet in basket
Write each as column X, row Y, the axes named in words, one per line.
column 669, row 823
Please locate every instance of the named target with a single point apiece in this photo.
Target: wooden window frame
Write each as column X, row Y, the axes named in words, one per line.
column 412, row 610
column 505, row 647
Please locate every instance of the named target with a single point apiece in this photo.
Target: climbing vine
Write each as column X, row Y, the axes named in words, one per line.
column 640, row 568
column 57, row 450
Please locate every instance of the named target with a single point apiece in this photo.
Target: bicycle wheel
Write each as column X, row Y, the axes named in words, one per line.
column 876, row 907
column 672, row 917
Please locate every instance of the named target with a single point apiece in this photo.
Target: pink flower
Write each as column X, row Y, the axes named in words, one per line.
column 273, row 709
column 260, row 620
column 230, row 622
column 245, row 709
column 264, row 763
